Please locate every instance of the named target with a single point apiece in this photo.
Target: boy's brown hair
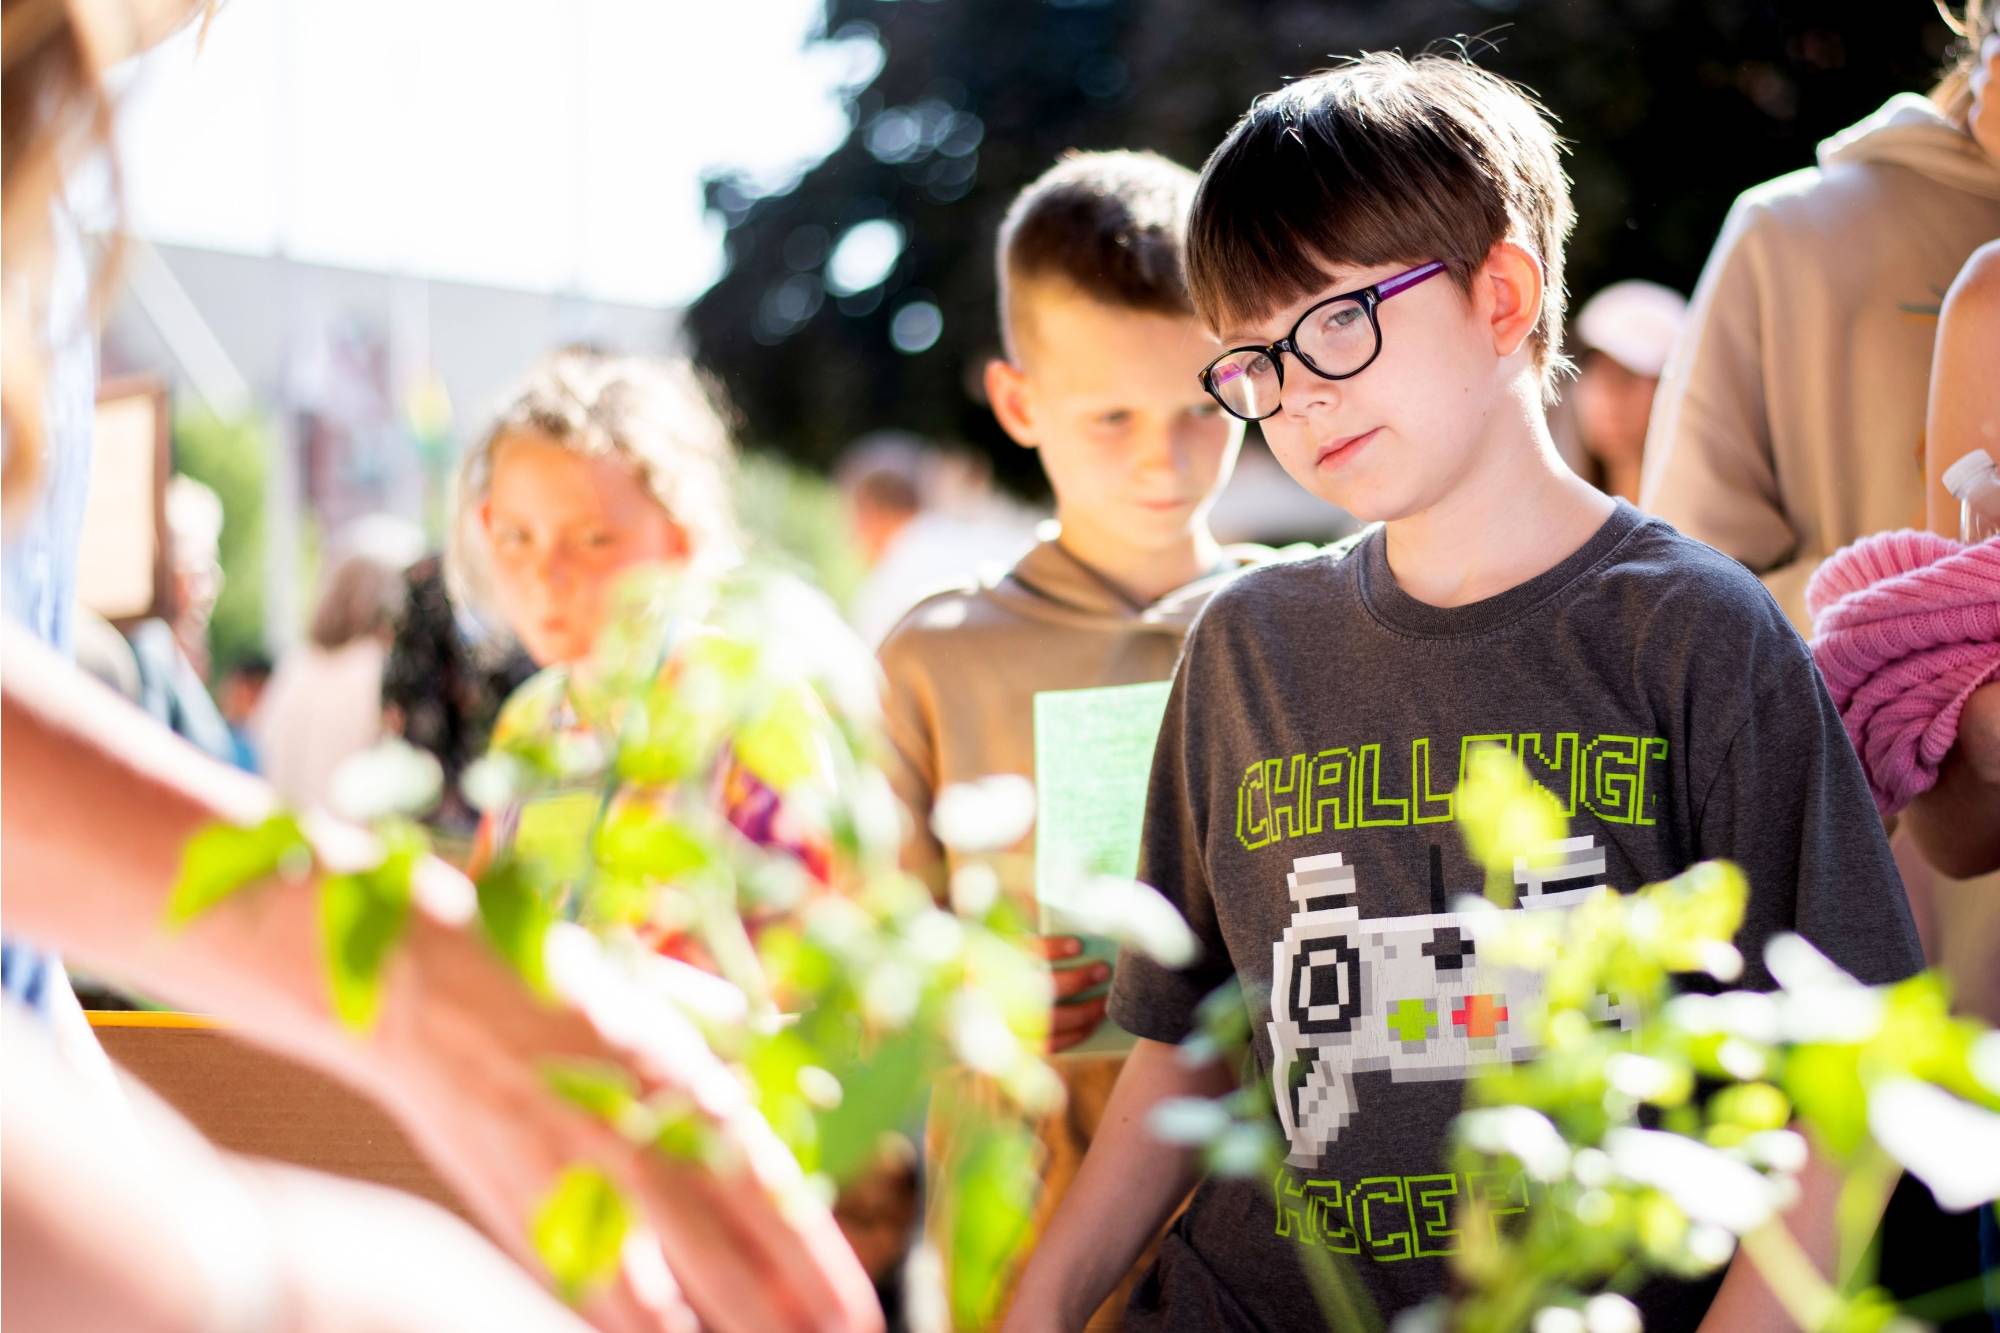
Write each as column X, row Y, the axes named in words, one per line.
column 1107, row 225
column 1382, row 160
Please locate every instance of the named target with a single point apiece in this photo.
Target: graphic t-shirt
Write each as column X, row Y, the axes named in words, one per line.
column 1301, row 815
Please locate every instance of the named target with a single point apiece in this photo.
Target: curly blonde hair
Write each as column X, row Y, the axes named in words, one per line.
column 1953, row 94
column 661, row 416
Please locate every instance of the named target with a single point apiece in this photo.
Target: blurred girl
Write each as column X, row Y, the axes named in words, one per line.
column 598, row 467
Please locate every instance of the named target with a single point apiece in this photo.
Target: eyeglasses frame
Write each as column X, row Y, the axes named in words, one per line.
column 1369, row 298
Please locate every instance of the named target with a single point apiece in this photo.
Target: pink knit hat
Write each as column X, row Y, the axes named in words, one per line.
column 1906, row 625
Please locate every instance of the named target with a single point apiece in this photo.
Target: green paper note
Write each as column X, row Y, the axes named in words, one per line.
column 1093, row 757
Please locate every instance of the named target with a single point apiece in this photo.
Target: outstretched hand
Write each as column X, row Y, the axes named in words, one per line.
column 1074, row 1018
column 731, row 1243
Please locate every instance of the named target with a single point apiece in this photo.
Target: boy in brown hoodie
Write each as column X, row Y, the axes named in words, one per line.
column 1100, row 379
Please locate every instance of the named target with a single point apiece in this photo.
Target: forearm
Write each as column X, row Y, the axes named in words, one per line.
column 117, row 1215
column 1964, row 399
column 1746, row 1299
column 1129, row 1184
column 100, row 803
column 1956, row 824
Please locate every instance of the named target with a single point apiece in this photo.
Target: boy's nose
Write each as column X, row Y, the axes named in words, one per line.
column 1305, row 393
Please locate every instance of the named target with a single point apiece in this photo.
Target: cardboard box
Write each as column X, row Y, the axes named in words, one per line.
column 254, row 1101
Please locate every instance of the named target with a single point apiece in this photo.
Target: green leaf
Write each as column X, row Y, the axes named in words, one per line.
column 362, row 915
column 989, row 1192
column 781, row 745
column 1504, row 814
column 1751, row 1106
column 682, row 1132
column 606, row 1091
column 878, row 1089
column 649, row 843
column 580, row 1228
column 1825, row 1085
column 224, row 859
column 515, row 917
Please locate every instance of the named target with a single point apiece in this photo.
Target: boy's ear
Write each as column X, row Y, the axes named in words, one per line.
column 1511, row 283
column 1007, row 390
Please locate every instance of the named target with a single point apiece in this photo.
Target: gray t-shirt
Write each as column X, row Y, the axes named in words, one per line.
column 1300, row 814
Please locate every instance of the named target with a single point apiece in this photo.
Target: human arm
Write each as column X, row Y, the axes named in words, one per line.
column 1780, row 792
column 909, row 757
column 1129, row 1184
column 1789, row 804
column 1964, row 409
column 99, row 805
column 1956, row 824
column 1747, row 1299
column 118, row 1215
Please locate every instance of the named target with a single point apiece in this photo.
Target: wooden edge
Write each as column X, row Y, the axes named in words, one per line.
column 133, row 1018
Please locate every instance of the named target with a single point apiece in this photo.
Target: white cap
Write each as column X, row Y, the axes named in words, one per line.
column 1634, row 323
column 1958, row 478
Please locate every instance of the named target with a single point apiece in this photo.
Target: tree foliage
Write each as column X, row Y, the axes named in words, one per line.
column 229, row 455
column 1670, row 109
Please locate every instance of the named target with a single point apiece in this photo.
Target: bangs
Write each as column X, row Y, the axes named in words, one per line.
column 1308, row 186
column 1381, row 161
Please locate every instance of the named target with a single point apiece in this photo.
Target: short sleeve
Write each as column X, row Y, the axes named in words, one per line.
column 910, row 758
column 1789, row 804
column 1149, row 999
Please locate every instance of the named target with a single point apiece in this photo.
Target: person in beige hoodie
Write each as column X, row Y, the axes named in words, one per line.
column 1790, row 420
column 1101, row 379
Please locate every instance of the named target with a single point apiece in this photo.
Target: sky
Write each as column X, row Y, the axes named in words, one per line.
column 548, row 145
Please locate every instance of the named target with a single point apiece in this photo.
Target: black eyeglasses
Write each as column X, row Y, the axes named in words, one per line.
column 1336, row 340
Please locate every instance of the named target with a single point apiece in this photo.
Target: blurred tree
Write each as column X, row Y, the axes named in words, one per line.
column 795, row 515
column 861, row 296
column 228, row 454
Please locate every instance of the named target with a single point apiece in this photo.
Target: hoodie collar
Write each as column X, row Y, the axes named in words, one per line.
column 1910, row 131
column 1051, row 583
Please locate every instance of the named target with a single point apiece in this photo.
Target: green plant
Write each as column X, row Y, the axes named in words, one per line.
column 1664, row 1144
column 857, row 991
column 800, row 516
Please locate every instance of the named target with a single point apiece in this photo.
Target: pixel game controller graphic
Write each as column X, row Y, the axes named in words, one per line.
column 1409, row 994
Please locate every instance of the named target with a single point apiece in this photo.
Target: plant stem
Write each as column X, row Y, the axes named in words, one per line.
column 1864, row 1193
column 1789, row 1272
column 728, row 941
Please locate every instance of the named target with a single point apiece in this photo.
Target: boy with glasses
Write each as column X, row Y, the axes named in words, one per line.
column 1301, row 807
column 1100, row 378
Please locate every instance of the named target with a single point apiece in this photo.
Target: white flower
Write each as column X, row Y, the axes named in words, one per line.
column 1949, row 1144
column 1518, row 1131
column 393, row 778
column 1709, row 1185
column 989, row 815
